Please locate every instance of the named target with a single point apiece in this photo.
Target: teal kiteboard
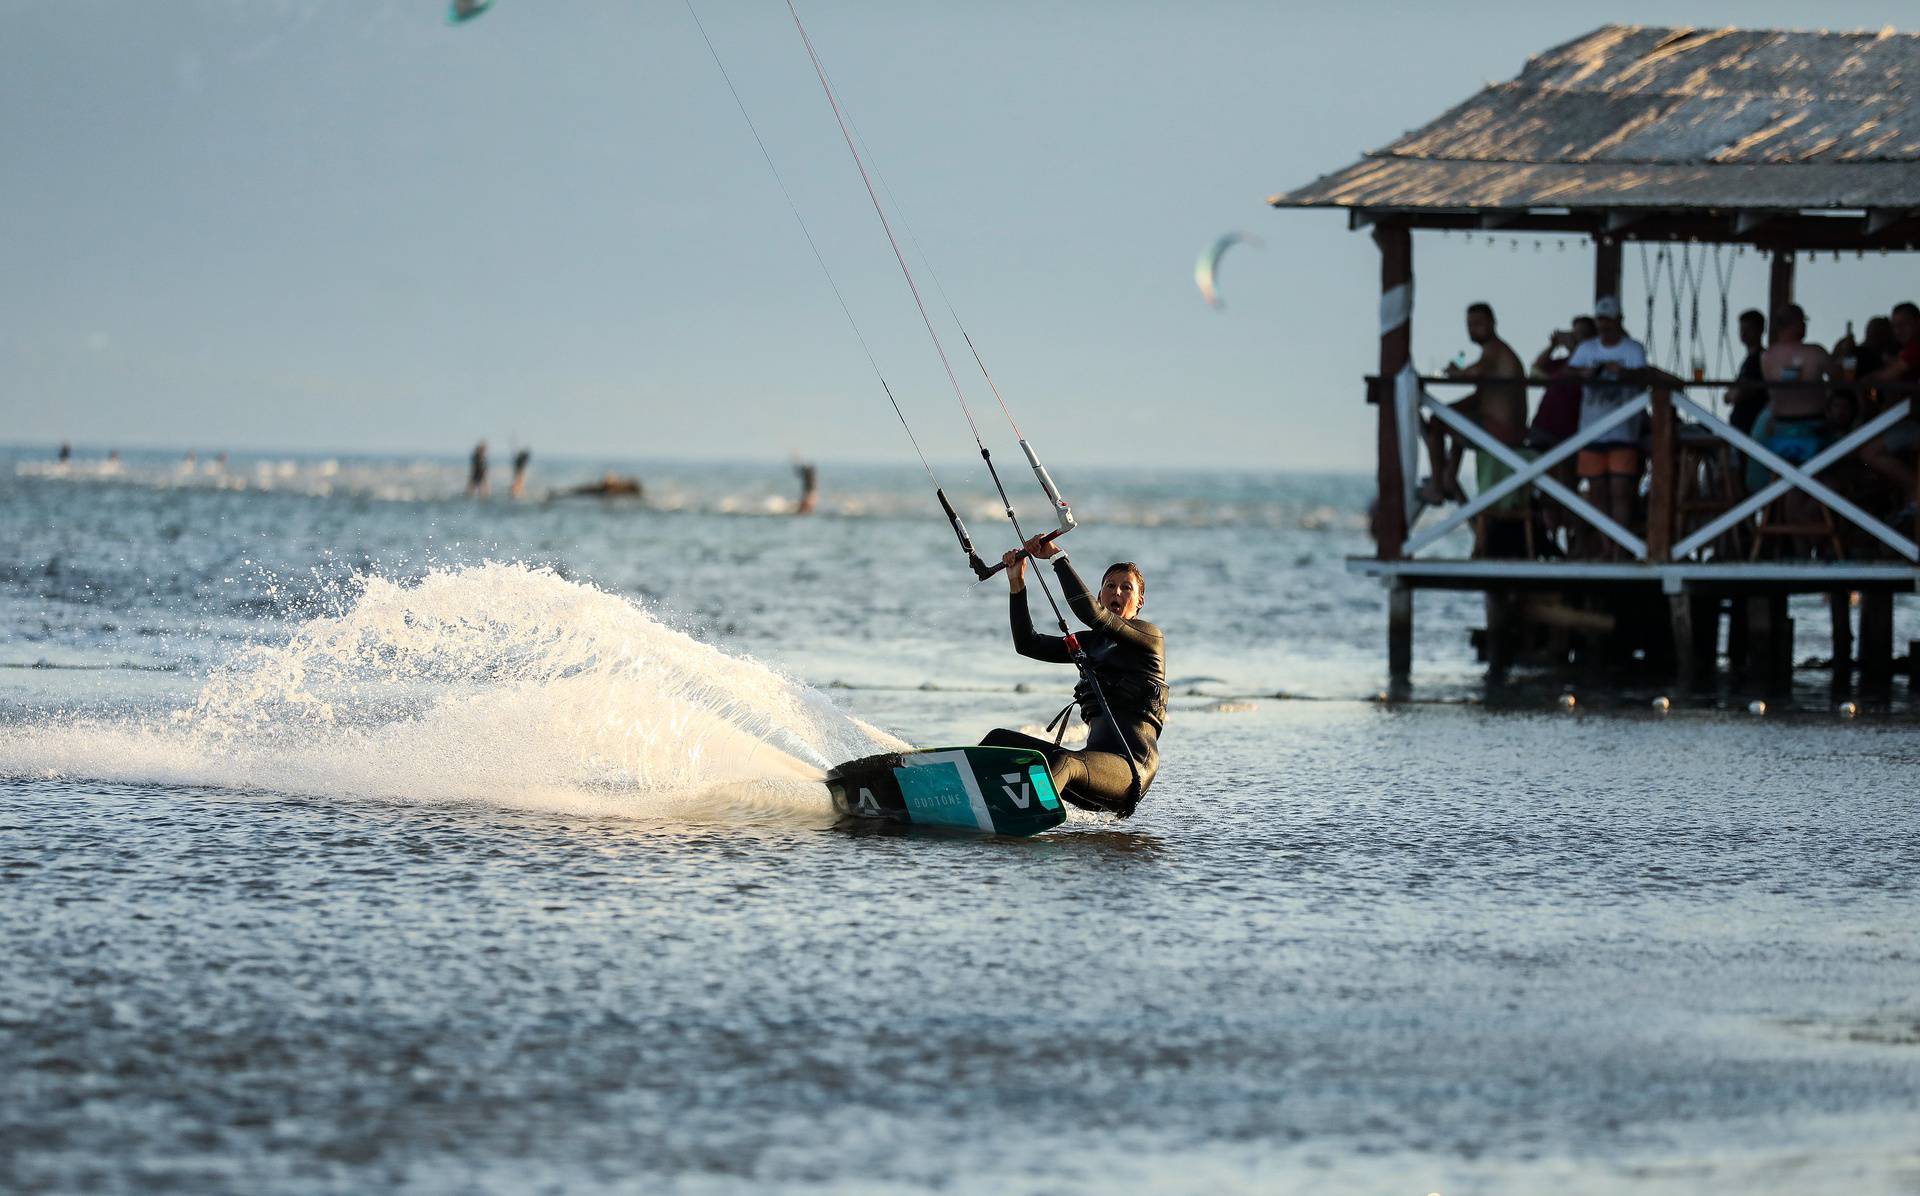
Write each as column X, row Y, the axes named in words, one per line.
column 999, row 790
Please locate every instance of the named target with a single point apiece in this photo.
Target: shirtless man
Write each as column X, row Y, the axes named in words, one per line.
column 1799, row 428
column 1497, row 405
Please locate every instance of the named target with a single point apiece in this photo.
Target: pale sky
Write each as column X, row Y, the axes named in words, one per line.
column 346, row 225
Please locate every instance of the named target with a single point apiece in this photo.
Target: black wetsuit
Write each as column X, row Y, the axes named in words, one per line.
column 1129, row 659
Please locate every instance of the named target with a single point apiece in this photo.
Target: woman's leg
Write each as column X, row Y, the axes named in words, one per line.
column 1095, row 781
column 1091, row 780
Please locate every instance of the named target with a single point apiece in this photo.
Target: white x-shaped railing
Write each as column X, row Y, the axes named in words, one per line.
column 1530, row 473
column 1535, row 473
column 1795, row 479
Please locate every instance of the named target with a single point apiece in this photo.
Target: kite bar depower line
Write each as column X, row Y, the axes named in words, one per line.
column 1064, row 512
column 1061, row 507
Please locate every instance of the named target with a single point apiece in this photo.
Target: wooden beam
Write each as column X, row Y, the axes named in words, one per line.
column 1779, row 283
column 1879, row 220
column 1665, row 472
column 1896, row 230
column 1396, row 350
column 1606, row 267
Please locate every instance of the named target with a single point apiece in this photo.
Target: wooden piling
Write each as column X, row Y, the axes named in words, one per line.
column 1399, row 632
column 1876, row 642
column 1839, row 613
column 1769, row 642
column 1685, row 658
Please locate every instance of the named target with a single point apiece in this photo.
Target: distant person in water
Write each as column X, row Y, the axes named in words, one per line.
column 1129, row 660
column 520, row 460
column 809, row 488
column 66, row 452
column 612, row 485
column 477, row 472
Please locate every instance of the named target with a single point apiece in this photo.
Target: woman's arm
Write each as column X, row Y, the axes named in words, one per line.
column 1027, row 641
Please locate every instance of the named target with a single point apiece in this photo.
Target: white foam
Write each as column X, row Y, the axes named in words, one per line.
column 498, row 683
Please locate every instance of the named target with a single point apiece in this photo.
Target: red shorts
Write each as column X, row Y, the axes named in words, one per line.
column 1615, row 460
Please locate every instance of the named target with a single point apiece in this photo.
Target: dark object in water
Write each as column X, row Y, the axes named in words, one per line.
column 612, row 485
column 1005, row 791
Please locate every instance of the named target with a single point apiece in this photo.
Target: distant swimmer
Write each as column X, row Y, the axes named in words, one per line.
column 612, row 485
column 809, row 488
column 66, row 452
column 477, row 472
column 520, row 459
column 1128, row 658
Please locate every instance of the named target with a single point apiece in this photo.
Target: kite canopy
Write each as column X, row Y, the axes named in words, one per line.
column 466, row 10
column 1207, row 268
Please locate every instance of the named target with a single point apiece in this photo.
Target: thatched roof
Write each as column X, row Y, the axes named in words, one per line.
column 1633, row 117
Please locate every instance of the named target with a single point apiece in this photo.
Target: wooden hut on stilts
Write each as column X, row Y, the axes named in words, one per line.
column 1787, row 143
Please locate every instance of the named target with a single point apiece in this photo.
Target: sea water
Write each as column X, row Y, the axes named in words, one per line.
column 355, row 836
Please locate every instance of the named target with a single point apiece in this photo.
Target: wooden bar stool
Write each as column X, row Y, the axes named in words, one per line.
column 1707, row 486
column 1776, row 523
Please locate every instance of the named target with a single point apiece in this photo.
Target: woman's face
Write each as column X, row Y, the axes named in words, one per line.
column 1120, row 594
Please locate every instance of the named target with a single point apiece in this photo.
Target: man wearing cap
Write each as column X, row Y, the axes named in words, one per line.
column 1612, row 364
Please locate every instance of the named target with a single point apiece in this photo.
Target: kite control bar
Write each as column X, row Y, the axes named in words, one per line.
column 1060, row 507
column 980, row 569
column 1049, row 538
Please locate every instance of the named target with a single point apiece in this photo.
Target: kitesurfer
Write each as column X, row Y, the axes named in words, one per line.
column 1127, row 657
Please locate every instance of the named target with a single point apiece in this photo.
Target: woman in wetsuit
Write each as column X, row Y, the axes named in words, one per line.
column 1128, row 659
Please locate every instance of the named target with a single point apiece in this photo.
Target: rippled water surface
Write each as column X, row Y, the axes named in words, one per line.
column 336, row 858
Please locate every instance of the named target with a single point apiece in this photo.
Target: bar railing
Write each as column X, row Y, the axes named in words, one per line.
column 1670, row 407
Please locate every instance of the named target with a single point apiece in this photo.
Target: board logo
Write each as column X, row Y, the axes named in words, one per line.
column 1025, row 793
column 866, row 804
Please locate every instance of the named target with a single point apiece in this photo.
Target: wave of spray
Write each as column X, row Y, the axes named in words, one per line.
column 497, row 683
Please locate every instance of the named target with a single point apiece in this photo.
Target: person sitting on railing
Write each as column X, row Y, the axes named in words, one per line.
column 1749, row 398
column 1888, row 455
column 1612, row 364
column 1497, row 405
column 1800, row 426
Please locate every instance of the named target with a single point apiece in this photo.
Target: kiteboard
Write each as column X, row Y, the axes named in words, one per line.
column 999, row 790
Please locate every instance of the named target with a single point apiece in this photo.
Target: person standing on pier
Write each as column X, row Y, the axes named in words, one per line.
column 1890, row 454
column 1799, row 428
column 1749, row 397
column 1498, row 404
column 1610, row 363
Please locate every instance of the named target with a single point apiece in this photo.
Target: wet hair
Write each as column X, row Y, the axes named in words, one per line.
column 1752, row 316
column 1485, row 309
column 1906, row 309
column 1139, row 578
column 1791, row 315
